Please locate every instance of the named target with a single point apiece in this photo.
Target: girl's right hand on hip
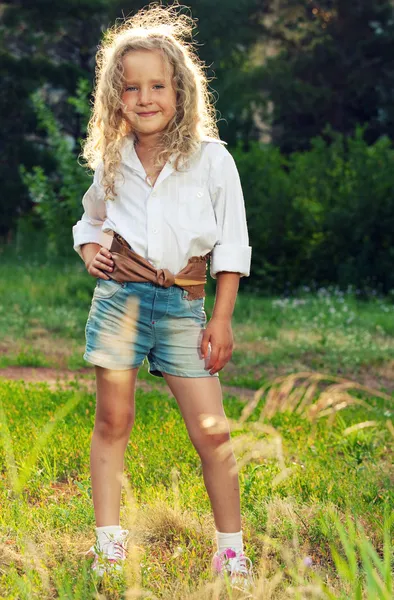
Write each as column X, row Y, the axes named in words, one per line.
column 101, row 263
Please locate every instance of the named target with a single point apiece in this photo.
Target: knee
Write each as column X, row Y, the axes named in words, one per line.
column 113, row 427
column 207, row 445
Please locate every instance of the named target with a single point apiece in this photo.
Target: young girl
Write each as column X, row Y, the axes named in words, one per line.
column 166, row 196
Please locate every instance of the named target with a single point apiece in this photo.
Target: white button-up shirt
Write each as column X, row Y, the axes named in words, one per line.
column 184, row 214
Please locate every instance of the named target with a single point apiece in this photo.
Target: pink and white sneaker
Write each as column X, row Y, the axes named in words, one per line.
column 111, row 557
column 236, row 565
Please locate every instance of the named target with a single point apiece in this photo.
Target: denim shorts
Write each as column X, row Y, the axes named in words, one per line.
column 131, row 321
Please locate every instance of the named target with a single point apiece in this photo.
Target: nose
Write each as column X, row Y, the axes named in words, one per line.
column 144, row 96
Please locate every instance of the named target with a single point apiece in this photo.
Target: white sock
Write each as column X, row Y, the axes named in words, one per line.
column 229, row 540
column 104, row 534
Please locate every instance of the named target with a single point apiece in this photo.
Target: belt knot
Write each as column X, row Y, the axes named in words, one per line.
column 165, row 278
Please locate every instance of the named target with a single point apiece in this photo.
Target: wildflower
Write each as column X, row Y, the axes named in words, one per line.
column 308, row 561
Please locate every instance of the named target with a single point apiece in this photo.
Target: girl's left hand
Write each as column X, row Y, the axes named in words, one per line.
column 219, row 334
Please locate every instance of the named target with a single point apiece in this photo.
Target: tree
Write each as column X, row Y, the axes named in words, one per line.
column 41, row 47
column 50, row 45
column 335, row 65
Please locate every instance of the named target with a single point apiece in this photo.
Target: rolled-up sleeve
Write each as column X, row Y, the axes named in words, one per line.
column 232, row 251
column 89, row 228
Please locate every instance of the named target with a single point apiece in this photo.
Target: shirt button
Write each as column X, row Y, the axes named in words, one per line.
column 155, row 230
column 154, row 194
column 200, row 194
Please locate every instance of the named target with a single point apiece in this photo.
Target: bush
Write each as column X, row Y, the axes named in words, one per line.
column 323, row 216
column 58, row 196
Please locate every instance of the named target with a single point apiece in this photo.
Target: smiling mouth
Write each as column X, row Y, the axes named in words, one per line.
column 148, row 114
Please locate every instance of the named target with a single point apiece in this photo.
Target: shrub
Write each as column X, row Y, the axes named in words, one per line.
column 323, row 216
column 57, row 196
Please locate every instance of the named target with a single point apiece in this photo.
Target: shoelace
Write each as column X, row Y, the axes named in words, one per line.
column 240, row 565
column 116, row 548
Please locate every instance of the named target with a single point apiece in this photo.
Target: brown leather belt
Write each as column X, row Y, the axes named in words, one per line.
column 130, row 266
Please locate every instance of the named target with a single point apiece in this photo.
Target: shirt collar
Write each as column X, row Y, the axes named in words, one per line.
column 130, row 156
column 207, row 138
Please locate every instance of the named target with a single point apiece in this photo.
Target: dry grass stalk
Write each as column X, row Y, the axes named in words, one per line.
column 33, row 557
column 359, row 426
column 134, row 553
column 246, row 446
column 297, row 392
column 175, row 488
column 390, row 426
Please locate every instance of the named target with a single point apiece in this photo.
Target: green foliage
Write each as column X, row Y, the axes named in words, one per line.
column 44, row 306
column 362, row 567
column 51, row 45
column 331, row 64
column 346, row 189
column 323, row 216
column 272, row 217
column 48, row 46
column 57, row 197
column 46, row 495
column 80, row 105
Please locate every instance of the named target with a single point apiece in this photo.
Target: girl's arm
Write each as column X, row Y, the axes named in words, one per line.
column 88, row 230
column 88, row 252
column 226, row 293
column 231, row 256
column 231, row 252
column 218, row 331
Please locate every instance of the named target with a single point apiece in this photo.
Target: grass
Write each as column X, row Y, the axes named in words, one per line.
column 43, row 311
column 314, row 452
column 292, row 501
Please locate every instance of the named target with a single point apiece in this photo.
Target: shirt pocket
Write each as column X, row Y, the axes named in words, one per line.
column 195, row 210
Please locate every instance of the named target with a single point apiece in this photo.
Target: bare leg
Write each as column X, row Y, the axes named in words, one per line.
column 197, row 395
column 115, row 412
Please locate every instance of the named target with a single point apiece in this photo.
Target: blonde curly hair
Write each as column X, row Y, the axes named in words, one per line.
column 152, row 28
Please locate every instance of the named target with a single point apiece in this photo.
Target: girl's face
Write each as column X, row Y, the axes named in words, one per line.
column 149, row 97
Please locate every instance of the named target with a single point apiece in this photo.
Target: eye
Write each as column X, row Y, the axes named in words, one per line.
column 130, row 88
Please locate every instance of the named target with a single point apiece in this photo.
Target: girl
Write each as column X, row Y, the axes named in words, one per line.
column 166, row 196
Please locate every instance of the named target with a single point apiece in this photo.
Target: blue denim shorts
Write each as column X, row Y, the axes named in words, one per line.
column 129, row 322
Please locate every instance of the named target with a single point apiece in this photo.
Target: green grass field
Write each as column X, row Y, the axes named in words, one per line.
column 316, row 492
column 43, row 313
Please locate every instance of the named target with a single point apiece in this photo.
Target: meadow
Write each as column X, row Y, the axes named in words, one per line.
column 308, row 394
